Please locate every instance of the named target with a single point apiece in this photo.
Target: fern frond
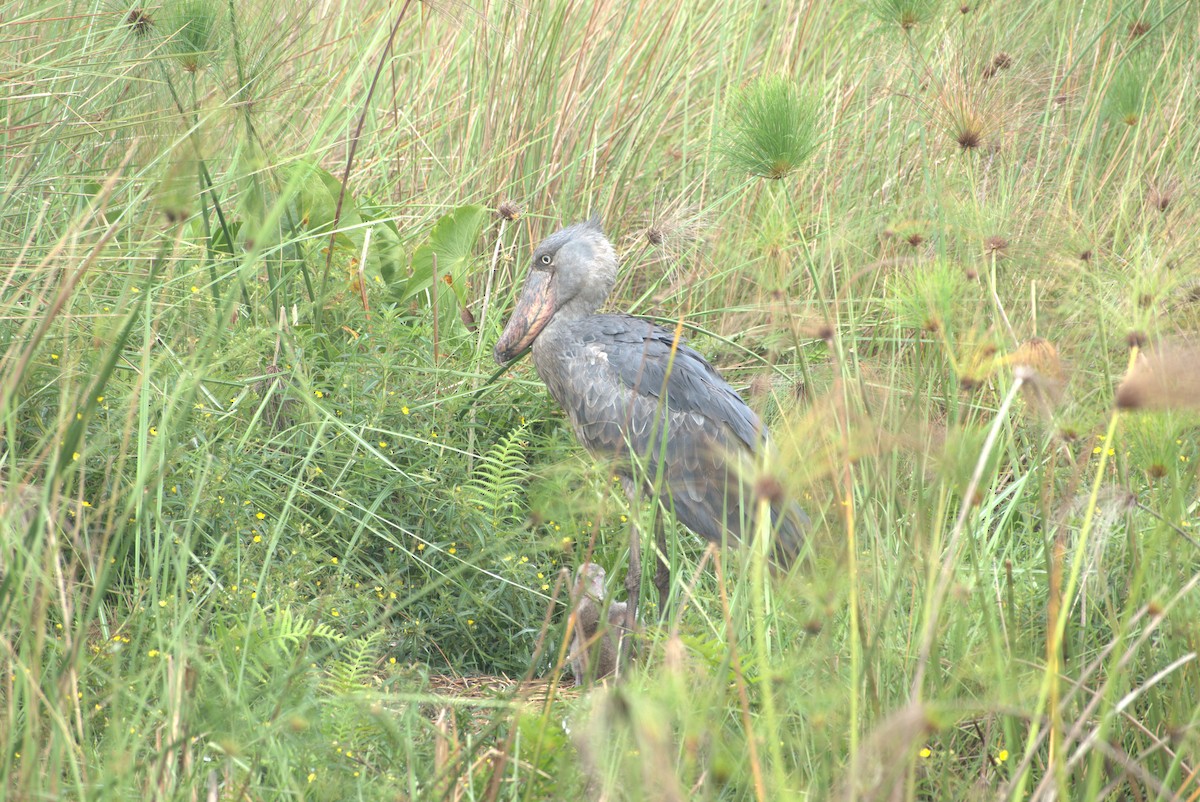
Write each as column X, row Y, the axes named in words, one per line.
column 282, row 637
column 346, row 686
column 350, row 672
column 496, row 486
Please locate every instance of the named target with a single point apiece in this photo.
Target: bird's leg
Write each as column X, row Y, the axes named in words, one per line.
column 662, row 574
column 633, row 577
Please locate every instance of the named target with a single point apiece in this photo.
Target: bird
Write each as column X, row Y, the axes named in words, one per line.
column 598, row 646
column 637, row 395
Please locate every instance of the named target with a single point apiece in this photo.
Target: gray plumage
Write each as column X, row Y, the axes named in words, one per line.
column 626, row 384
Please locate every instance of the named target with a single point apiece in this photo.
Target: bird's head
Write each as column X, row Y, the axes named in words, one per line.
column 573, row 271
column 589, row 579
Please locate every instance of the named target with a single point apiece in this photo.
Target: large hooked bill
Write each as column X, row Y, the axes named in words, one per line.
column 534, row 309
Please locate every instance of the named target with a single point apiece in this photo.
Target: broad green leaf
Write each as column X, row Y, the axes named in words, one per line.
column 315, row 201
column 386, row 258
column 453, row 241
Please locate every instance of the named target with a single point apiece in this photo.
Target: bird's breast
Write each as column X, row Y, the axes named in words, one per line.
column 580, row 377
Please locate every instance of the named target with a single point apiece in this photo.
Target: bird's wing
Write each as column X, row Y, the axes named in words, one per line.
column 649, row 361
column 697, row 439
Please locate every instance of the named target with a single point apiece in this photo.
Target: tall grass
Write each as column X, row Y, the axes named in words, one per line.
column 272, row 526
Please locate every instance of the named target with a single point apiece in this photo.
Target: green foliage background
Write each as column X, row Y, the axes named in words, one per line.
column 271, row 523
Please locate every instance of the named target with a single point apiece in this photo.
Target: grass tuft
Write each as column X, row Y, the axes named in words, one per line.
column 771, row 129
column 194, row 31
column 907, row 14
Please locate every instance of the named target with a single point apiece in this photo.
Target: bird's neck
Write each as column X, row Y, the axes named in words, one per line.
column 558, row 327
column 576, row 309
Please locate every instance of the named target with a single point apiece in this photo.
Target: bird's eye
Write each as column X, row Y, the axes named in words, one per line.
column 545, row 259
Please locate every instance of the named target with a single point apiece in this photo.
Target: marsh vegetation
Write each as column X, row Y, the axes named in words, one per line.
column 273, row 526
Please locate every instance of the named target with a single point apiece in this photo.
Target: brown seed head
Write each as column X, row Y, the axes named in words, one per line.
column 968, row 136
column 1136, row 339
column 1124, row 499
column 1156, row 470
column 675, row 229
column 1160, row 198
column 1086, row 255
column 1002, row 61
column 915, row 239
column 995, row 245
column 1138, row 28
column 768, row 487
column 1039, row 355
column 139, row 21
column 760, row 385
column 508, row 210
